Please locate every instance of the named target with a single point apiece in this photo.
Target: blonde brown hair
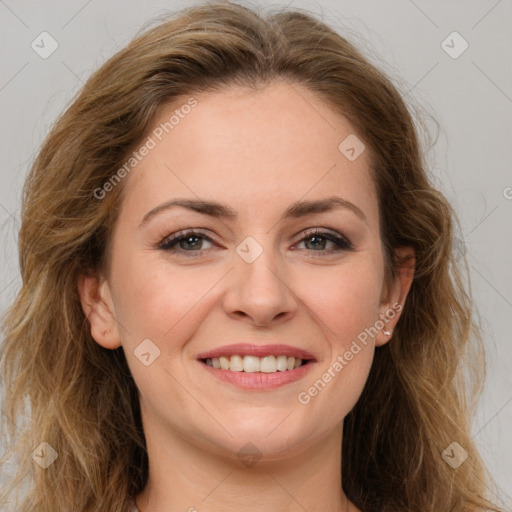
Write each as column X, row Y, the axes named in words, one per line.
column 81, row 399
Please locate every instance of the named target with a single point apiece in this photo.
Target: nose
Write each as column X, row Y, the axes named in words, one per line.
column 258, row 292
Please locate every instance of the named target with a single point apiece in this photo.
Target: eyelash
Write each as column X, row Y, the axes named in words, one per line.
column 169, row 243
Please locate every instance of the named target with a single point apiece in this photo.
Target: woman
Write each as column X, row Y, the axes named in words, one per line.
column 238, row 287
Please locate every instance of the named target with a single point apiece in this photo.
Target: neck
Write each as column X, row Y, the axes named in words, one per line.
column 188, row 477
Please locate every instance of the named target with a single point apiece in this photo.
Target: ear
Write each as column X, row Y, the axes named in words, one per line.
column 98, row 307
column 394, row 293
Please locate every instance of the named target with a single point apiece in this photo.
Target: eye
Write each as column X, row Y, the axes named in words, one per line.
column 186, row 241
column 193, row 243
column 318, row 240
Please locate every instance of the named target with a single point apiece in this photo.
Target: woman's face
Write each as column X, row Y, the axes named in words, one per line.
column 279, row 245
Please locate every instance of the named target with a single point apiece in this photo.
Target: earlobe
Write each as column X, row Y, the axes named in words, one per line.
column 99, row 310
column 393, row 305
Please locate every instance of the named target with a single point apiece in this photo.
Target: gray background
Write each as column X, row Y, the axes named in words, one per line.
column 470, row 96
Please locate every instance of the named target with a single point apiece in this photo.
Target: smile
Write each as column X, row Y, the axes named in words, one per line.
column 257, row 373
column 253, row 364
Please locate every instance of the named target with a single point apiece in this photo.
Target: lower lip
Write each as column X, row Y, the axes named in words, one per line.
column 259, row 380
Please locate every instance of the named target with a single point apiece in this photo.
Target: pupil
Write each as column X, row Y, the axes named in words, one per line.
column 318, row 241
column 190, row 241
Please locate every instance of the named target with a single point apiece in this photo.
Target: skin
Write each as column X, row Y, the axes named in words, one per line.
column 256, row 152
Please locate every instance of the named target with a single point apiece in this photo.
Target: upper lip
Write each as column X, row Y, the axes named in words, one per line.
column 242, row 349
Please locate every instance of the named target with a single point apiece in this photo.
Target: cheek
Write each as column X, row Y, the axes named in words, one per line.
column 158, row 301
column 345, row 299
column 345, row 302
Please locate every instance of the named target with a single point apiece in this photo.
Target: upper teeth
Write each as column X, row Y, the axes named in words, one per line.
column 267, row 364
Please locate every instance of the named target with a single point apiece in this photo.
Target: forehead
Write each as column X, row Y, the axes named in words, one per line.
column 252, row 149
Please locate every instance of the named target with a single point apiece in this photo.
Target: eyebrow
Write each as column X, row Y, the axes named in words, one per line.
column 218, row 210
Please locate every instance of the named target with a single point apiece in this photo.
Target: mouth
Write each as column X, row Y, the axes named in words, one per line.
column 254, row 364
column 257, row 366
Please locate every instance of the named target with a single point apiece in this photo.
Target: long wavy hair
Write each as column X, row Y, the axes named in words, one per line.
column 62, row 388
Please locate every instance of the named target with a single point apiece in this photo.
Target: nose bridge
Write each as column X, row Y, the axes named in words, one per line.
column 257, row 290
column 257, row 267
